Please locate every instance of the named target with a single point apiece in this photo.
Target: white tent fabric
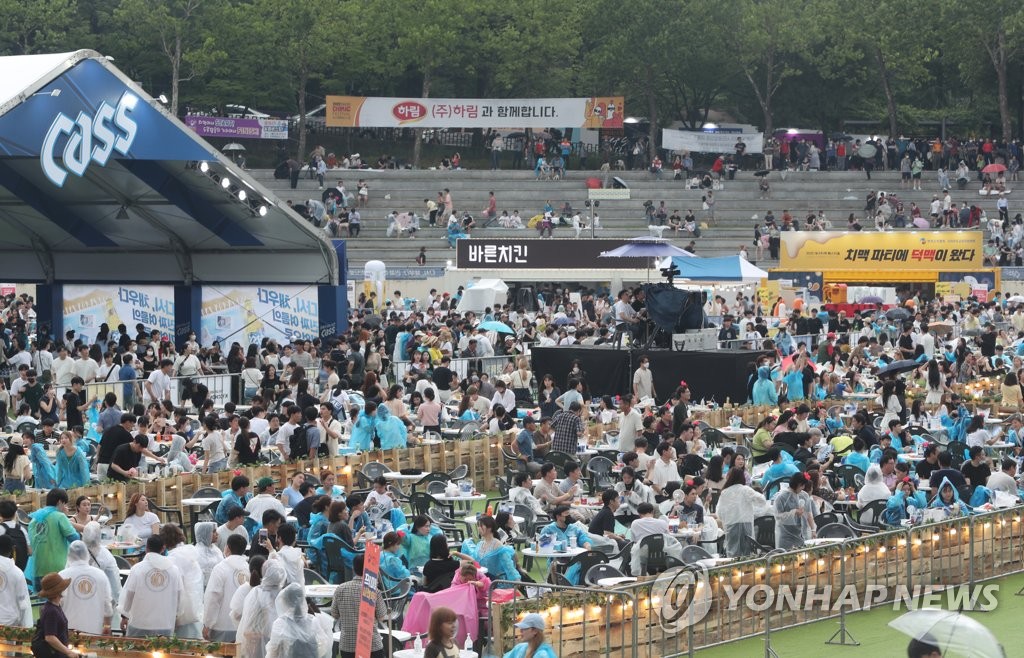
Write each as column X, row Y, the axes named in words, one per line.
column 17, row 73
column 483, row 293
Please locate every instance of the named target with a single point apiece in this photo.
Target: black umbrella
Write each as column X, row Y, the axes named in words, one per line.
column 372, row 320
column 897, row 313
column 762, row 172
column 896, row 367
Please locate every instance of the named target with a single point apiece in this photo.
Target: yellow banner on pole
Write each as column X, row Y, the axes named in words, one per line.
column 862, row 250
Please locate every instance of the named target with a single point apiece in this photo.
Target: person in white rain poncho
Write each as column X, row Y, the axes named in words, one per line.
column 794, row 514
column 154, row 594
column 259, row 612
column 227, row 577
column 737, row 508
column 177, row 456
column 100, row 557
column 86, row 602
column 294, row 634
column 256, row 563
column 874, row 488
column 210, row 554
column 186, row 558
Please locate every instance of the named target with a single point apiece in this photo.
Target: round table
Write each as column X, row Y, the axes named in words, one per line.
column 413, row 653
column 736, row 431
column 550, row 554
column 860, row 396
column 471, row 519
column 452, row 499
column 321, row 591
column 616, row 581
column 712, row 562
column 822, row 541
column 199, row 502
column 403, row 477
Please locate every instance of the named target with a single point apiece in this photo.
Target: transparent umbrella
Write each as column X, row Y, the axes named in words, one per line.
column 954, row 633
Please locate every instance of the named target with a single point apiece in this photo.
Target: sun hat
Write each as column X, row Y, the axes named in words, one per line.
column 52, row 585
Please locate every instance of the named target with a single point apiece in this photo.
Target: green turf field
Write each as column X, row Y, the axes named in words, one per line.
column 876, row 639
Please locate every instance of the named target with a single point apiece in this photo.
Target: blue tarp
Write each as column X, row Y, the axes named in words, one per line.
column 725, row 268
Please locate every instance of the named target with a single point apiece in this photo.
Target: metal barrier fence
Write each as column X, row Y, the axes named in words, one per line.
column 936, row 564
column 220, row 387
column 492, row 365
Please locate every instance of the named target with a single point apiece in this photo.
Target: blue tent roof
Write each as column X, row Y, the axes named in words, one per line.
column 725, row 268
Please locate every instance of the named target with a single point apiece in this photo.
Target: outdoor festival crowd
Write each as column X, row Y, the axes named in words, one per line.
column 862, row 430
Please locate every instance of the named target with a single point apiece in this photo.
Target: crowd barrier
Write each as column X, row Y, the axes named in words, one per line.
column 482, row 455
column 949, row 559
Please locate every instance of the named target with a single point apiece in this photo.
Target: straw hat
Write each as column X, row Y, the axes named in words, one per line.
column 52, row 585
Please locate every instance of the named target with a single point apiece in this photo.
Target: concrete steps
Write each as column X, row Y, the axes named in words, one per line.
column 838, row 194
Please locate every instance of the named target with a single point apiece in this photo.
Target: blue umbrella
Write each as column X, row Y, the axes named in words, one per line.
column 494, row 325
column 562, row 321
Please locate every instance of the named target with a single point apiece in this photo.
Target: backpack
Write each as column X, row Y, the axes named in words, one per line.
column 19, row 541
column 298, row 444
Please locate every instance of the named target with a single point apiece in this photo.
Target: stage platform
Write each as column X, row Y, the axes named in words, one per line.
column 717, row 374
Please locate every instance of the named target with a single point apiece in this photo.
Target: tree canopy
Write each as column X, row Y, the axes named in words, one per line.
column 897, row 64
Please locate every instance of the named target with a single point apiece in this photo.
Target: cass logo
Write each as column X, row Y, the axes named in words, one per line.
column 89, row 139
column 408, row 111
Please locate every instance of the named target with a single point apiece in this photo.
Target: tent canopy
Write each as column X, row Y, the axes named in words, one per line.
column 725, row 268
column 478, row 295
column 98, row 182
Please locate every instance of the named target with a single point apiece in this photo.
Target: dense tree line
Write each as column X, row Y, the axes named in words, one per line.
column 902, row 64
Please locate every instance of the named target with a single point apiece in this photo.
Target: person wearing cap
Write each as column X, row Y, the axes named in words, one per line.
column 51, row 636
column 265, row 499
column 17, row 467
column 88, row 603
column 827, row 347
column 531, row 631
column 15, row 605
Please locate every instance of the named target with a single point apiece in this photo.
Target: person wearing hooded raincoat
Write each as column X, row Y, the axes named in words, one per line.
column 794, row 380
column 874, row 488
column 100, row 556
column 391, row 431
column 49, row 532
column 948, row 498
column 738, row 506
column 906, row 495
column 44, row 473
column 154, row 596
column 87, row 602
column 294, row 633
column 177, row 457
column 415, row 544
column 259, row 612
column 764, row 388
column 186, row 558
column 794, row 514
column 209, row 552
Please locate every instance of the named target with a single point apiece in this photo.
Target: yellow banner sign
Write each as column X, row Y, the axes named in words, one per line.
column 863, row 250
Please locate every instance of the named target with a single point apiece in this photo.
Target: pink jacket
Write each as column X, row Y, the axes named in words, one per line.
column 460, row 598
column 481, row 592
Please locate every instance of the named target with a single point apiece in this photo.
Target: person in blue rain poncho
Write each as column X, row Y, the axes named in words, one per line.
column 455, row 232
column 377, row 421
column 72, row 465
column 905, row 496
column 416, row 540
column 392, row 568
column 764, row 388
column 44, row 475
column 531, row 631
column 493, row 554
column 948, row 499
column 564, row 528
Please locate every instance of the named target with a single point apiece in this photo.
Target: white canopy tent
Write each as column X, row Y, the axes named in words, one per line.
column 483, row 293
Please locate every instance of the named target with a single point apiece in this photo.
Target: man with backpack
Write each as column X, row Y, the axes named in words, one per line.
column 305, row 439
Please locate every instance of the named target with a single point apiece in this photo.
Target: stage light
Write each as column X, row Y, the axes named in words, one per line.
column 241, row 195
column 204, row 167
column 163, row 99
column 263, row 211
column 225, row 182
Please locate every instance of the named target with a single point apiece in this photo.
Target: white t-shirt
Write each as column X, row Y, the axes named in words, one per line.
column 142, row 525
column 213, row 446
column 647, row 526
column 661, row 473
column 161, row 384
column 283, row 436
column 86, row 369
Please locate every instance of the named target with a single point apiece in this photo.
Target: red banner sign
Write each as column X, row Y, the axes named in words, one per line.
column 368, row 601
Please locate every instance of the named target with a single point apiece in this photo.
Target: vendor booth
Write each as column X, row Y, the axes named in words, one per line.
column 483, row 294
column 842, row 266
